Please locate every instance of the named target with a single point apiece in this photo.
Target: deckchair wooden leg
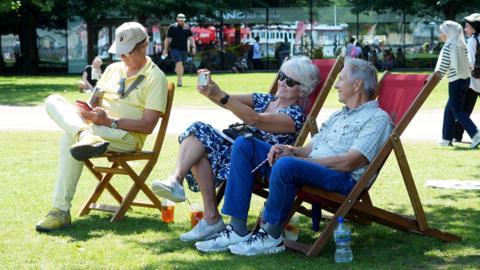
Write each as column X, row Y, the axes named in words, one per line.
column 409, row 183
column 365, row 198
column 146, row 190
column 314, row 249
column 99, row 177
column 139, row 183
column 96, row 194
column 127, row 201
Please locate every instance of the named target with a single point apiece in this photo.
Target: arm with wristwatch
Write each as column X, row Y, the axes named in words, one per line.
column 100, row 117
column 242, row 106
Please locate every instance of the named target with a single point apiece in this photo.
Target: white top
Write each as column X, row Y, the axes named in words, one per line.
column 471, row 47
column 453, row 61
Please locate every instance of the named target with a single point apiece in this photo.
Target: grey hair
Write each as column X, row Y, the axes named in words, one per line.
column 363, row 70
column 304, row 71
column 97, row 58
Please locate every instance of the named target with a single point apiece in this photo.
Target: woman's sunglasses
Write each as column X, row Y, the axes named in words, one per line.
column 289, row 81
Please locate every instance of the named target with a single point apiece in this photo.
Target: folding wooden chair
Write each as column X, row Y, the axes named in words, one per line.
column 329, row 69
column 401, row 95
column 119, row 165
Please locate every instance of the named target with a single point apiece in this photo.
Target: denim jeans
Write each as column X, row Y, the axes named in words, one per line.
column 468, row 102
column 454, row 110
column 285, row 178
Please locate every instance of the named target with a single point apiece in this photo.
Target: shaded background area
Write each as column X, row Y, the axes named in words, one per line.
column 64, row 35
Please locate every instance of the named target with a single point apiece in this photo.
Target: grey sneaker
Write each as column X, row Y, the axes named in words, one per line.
column 88, row 146
column 221, row 241
column 203, row 231
column 169, row 189
column 475, row 140
column 259, row 243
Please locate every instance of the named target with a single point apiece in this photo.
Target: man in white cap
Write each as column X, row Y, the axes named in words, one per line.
column 126, row 105
column 178, row 38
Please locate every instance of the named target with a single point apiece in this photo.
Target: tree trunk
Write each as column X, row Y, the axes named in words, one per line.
column 1, row 55
column 28, row 40
column 238, row 33
column 450, row 11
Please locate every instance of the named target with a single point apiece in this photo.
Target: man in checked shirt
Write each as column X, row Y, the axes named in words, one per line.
column 334, row 160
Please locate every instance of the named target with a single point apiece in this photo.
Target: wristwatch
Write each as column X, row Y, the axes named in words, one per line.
column 114, row 124
column 224, row 100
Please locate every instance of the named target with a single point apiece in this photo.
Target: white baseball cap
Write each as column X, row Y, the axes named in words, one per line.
column 181, row 16
column 475, row 17
column 126, row 37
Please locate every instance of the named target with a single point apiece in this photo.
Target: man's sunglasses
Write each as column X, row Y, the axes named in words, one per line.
column 289, row 81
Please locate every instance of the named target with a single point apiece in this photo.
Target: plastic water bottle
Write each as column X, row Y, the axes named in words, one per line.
column 342, row 235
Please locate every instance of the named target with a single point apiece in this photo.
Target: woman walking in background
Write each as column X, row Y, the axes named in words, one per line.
column 454, row 63
column 472, row 29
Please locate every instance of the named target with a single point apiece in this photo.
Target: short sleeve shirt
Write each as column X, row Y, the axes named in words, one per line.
column 364, row 129
column 150, row 94
column 179, row 36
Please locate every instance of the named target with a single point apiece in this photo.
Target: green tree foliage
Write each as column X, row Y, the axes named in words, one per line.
column 448, row 9
column 23, row 18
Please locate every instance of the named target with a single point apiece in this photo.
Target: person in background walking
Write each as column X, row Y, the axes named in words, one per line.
column 350, row 47
column 257, row 54
column 472, row 29
column 178, row 37
column 453, row 62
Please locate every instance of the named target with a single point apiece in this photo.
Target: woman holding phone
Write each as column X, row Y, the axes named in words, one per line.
column 204, row 156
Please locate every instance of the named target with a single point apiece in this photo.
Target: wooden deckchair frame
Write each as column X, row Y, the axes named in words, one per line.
column 352, row 205
column 310, row 124
column 119, row 165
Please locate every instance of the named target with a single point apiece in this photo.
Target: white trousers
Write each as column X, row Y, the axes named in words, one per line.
column 70, row 169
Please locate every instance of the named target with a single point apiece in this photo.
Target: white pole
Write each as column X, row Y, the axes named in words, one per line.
column 335, row 15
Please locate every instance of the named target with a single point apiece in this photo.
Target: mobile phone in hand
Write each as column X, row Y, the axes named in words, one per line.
column 203, row 78
column 84, row 105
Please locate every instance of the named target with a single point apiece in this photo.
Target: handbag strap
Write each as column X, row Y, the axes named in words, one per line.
column 132, row 86
column 135, row 83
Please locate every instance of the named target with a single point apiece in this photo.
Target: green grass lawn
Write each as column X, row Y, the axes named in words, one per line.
column 28, row 91
column 141, row 241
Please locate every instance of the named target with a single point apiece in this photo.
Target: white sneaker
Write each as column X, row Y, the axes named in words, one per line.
column 221, row 241
column 203, row 231
column 475, row 140
column 169, row 189
column 445, row 143
column 259, row 243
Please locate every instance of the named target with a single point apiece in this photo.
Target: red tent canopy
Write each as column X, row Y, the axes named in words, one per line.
column 203, row 35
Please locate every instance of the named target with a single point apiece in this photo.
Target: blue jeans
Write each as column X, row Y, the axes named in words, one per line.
column 454, row 110
column 468, row 102
column 287, row 175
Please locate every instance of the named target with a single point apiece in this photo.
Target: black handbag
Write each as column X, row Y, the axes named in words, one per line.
column 240, row 129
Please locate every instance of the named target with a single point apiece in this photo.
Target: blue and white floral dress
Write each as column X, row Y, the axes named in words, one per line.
column 219, row 149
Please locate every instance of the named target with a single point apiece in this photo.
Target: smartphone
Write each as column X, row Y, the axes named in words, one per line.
column 84, row 105
column 203, row 78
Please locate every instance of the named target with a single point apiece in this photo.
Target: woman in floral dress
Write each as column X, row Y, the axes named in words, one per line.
column 204, row 156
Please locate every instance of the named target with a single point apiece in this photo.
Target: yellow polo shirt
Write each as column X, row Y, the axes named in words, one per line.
column 150, row 94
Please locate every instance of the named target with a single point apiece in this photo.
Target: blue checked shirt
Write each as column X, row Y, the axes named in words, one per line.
column 364, row 129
